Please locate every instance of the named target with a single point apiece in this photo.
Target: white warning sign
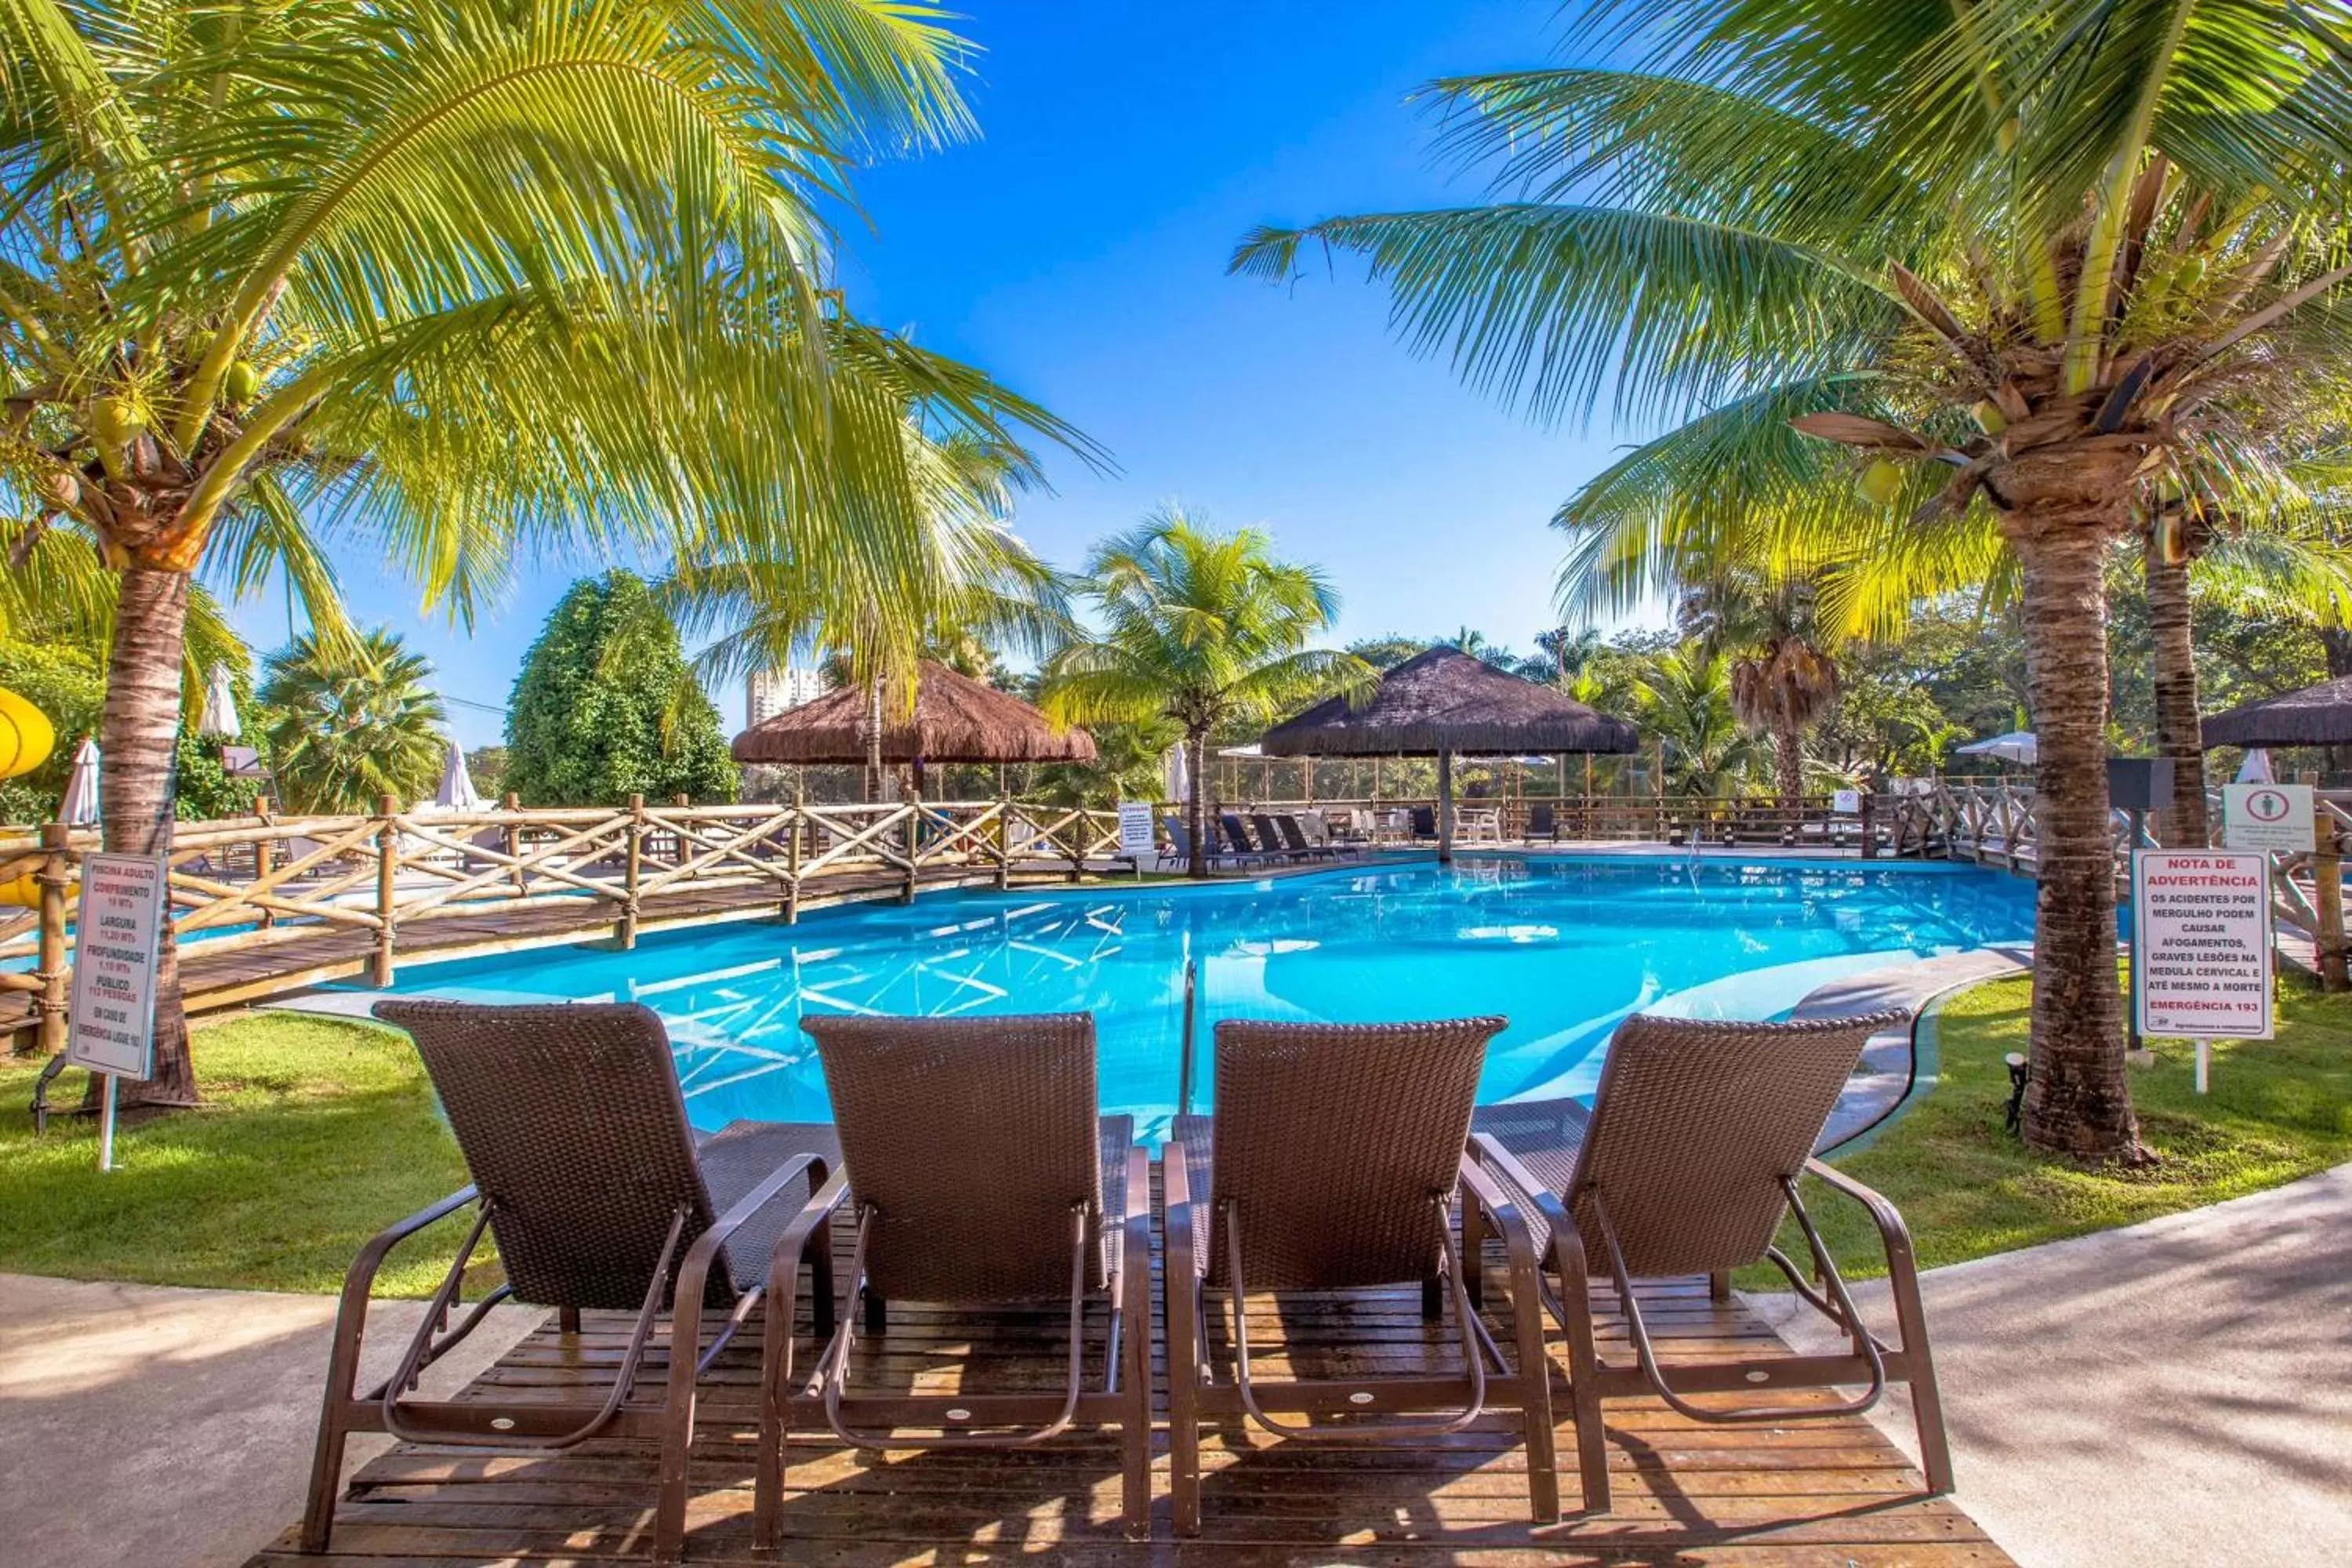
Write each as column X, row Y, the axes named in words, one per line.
column 2202, row 918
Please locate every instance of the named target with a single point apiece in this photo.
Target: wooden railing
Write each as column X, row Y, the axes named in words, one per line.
column 1618, row 818
column 262, row 881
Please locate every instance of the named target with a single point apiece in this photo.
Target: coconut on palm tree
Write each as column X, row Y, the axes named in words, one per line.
column 1200, row 630
column 2017, row 259
column 351, row 720
column 477, row 280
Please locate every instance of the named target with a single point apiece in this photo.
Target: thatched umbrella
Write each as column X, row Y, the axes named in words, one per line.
column 1442, row 702
column 2317, row 715
column 955, row 719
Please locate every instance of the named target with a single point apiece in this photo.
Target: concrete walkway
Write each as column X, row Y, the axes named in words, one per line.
column 2173, row 1393
column 146, row 1425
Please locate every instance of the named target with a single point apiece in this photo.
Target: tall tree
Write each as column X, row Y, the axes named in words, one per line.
column 983, row 594
column 1198, row 630
column 2020, row 254
column 473, row 278
column 351, row 720
column 1783, row 682
column 607, row 706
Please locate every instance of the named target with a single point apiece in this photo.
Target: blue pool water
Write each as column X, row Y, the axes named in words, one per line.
column 1563, row 946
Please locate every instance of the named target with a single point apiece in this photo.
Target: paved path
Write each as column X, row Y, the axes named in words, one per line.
column 146, row 1425
column 2173, row 1393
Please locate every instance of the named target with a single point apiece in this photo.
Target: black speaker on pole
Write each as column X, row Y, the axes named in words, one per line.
column 2139, row 783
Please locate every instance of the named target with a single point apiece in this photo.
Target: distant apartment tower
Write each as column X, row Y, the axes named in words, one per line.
column 771, row 692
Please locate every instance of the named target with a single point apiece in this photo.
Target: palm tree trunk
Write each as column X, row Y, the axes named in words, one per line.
column 2077, row 1100
column 1788, row 764
column 1196, row 742
column 2336, row 646
column 138, row 734
column 2176, row 719
column 874, row 739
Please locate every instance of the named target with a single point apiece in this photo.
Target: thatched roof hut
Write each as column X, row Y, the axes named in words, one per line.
column 1444, row 702
column 2317, row 715
column 955, row 719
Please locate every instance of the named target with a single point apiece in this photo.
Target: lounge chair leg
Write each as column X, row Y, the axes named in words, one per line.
column 1432, row 1298
column 1584, row 1375
column 1180, row 1298
column 1927, row 1402
column 567, row 1319
column 1535, row 1382
column 326, row 1472
column 1718, row 1287
column 878, row 1312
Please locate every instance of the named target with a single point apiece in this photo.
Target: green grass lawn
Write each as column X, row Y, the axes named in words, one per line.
column 2279, row 1109
column 320, row 1132
column 317, row 1133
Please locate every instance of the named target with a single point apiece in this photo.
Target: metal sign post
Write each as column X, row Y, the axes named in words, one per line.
column 118, row 934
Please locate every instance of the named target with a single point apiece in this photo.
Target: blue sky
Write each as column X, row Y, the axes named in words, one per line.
column 1077, row 251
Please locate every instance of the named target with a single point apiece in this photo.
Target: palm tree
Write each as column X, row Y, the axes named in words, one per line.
column 1782, row 683
column 477, row 278
column 1566, row 651
column 1684, row 700
column 2021, row 257
column 982, row 593
column 1201, row 630
column 350, row 720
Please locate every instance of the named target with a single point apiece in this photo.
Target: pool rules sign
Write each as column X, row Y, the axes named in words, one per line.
column 118, row 931
column 2203, row 918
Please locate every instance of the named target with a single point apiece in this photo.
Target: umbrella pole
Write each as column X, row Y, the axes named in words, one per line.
column 1445, row 807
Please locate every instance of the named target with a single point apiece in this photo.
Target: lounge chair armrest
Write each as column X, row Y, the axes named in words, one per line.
column 823, row 1203
column 360, row 1280
column 696, row 1269
column 1522, row 1183
column 1176, row 1196
column 1495, row 1202
column 1893, row 1234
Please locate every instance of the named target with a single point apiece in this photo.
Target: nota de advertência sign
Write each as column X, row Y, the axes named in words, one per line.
column 117, row 931
column 2203, row 920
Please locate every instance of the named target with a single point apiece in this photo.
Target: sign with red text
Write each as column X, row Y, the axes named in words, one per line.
column 117, row 932
column 2202, row 918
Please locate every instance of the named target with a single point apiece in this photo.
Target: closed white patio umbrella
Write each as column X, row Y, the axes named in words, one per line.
column 2256, row 768
column 219, row 721
column 79, row 808
column 456, row 792
column 1176, row 776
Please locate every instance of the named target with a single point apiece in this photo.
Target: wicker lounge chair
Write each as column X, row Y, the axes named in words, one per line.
column 1686, row 1165
column 1424, row 822
column 1332, row 1162
column 590, row 1179
column 981, row 1175
column 1273, row 840
column 1543, row 822
column 1294, row 839
column 1237, row 838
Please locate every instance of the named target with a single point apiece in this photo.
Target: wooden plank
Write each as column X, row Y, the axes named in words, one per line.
column 1831, row 1493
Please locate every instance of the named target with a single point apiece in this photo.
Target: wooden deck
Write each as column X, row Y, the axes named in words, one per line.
column 1833, row 1494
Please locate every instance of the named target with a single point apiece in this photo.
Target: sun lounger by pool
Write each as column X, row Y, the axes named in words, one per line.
column 597, row 1194
column 981, row 1175
column 1686, row 1165
column 1332, row 1162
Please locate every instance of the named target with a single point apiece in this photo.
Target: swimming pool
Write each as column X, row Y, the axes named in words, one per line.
column 1564, row 946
